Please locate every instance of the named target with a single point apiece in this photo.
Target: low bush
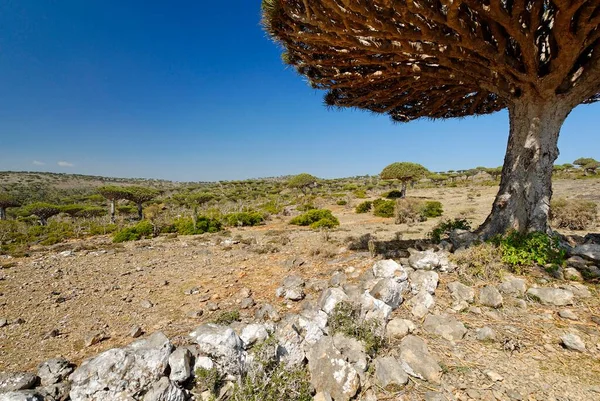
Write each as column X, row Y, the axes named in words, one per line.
column 317, row 218
column 364, row 207
column 483, row 261
column 141, row 230
column 431, row 209
column 341, row 202
column 574, row 214
column 244, row 219
column 226, row 318
column 445, row 227
column 346, row 319
column 522, row 250
column 305, row 207
column 360, row 194
column 383, row 208
column 409, row 211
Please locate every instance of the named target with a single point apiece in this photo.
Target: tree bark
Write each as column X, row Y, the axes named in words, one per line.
column 403, row 190
column 140, row 208
column 523, row 201
column 112, row 210
column 2, row 213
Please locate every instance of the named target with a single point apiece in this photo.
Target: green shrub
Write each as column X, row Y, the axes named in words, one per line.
column 52, row 233
column 483, row 261
column 185, row 225
column 345, row 319
column 432, row 209
column 243, row 219
column 305, row 207
column 445, row 227
column 140, row 230
column 364, row 207
column 521, row 250
column 280, row 383
column 341, row 202
column 360, row 194
column 226, row 318
column 271, row 207
column 383, row 208
column 574, row 214
column 101, row 229
column 317, row 218
column 208, row 380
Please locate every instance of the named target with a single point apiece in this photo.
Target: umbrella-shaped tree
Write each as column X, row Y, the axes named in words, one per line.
column 417, row 59
column 6, row 201
column 303, row 182
column 42, row 211
column 112, row 193
column 140, row 195
column 405, row 172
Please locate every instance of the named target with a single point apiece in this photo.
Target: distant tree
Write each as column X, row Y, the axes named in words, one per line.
column 42, row 211
column 140, row 195
column 438, row 178
column 72, row 210
column 92, row 211
column 588, row 164
column 405, row 172
column 6, row 201
column 430, row 59
column 495, row 172
column 303, row 182
column 112, row 193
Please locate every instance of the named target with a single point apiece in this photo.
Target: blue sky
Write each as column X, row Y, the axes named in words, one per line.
column 191, row 91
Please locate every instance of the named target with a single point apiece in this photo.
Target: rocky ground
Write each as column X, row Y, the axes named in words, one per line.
column 534, row 337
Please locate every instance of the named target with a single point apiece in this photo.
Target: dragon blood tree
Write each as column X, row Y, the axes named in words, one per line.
column 418, row 59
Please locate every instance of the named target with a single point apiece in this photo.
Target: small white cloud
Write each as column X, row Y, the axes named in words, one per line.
column 38, row 163
column 65, row 164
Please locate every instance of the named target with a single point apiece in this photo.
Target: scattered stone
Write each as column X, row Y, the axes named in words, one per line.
column 338, row 279
column 221, row 344
column 513, row 286
column 54, row 371
column 192, row 291
column 389, row 374
column 21, row 396
column 164, row 390
column 203, row 362
column 291, row 347
column 3, row 322
column 427, row 260
column 254, row 333
column 572, row 342
column 352, row 350
column 416, row 360
column 316, row 285
column 389, row 269
column 146, row 304
column 389, row 291
column 445, row 326
column 461, row 292
column 572, row 274
column 136, row 331
column 330, row 372
column 374, row 309
column 247, row 303
column 267, row 312
column 568, row 314
column 195, row 314
column 293, row 282
column 424, row 280
column 322, row 396
column 514, row 395
column 17, row 381
column 486, row 334
column 212, row 306
column 180, row 362
column 55, row 392
column 399, row 328
column 121, row 373
column 490, row 296
column 551, row 296
column 493, row 376
column 421, row 303
column 578, row 290
column 95, row 337
column 330, row 298
column 588, row 251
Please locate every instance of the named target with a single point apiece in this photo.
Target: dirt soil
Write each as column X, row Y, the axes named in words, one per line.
column 55, row 300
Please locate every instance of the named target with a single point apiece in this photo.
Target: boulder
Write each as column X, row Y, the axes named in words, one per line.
column 291, row 343
column 180, row 362
column 551, row 296
column 330, row 298
column 486, row 334
column 164, row 390
column 120, row 373
column 572, row 342
column 588, row 251
column 338, row 279
column 421, row 304
column 424, row 280
column 426, row 260
column 373, row 308
column 461, row 292
column 222, row 344
column 16, row 381
column 54, row 371
column 490, row 296
column 254, row 333
column 572, row 274
column 330, row 372
column 267, row 312
column 445, row 326
column 389, row 269
column 389, row 374
column 389, row 291
column 352, row 350
column 399, row 328
column 55, row 392
column 416, row 360
column 28, row 395
column 513, row 286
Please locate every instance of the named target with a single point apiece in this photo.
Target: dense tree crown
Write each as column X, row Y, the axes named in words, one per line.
column 403, row 171
column 302, row 181
column 440, row 59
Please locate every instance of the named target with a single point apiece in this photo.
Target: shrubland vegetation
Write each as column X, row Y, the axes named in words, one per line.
column 46, row 209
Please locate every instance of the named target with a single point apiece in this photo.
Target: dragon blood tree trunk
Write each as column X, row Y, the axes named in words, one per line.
column 523, row 201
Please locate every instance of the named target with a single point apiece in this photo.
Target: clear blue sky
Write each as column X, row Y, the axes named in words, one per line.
column 195, row 91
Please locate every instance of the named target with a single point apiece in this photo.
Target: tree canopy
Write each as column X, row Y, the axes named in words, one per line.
column 403, row 171
column 42, row 210
column 302, row 181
